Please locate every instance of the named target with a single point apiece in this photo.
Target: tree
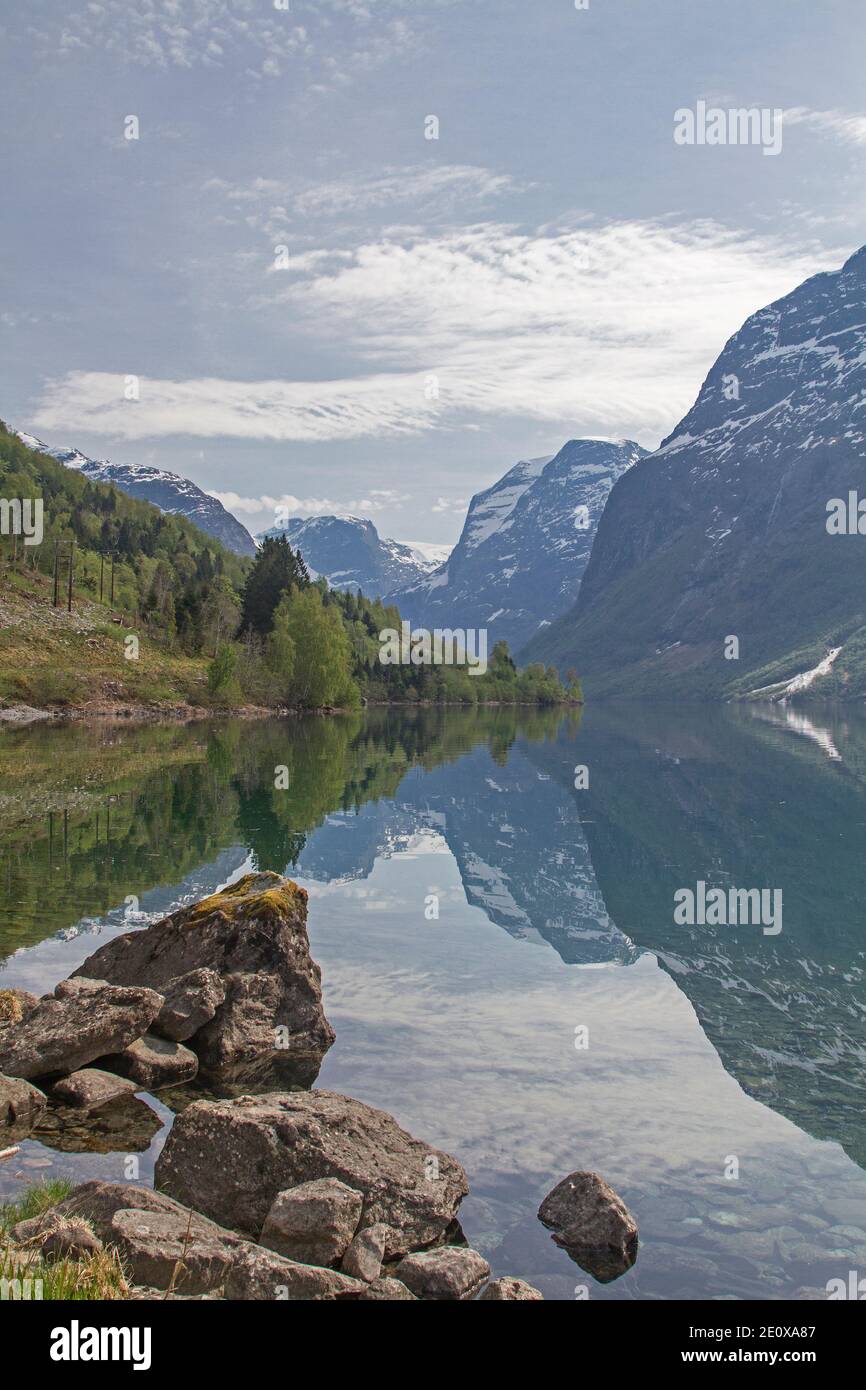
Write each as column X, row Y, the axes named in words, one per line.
column 276, row 570
column 280, row 650
column 222, row 681
column 323, row 660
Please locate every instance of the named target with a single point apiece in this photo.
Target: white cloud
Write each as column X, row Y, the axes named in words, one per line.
column 220, row 33
column 269, row 509
column 849, row 129
column 603, row 330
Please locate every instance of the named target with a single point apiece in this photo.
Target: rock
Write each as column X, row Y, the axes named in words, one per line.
column 98, row 1202
column 593, row 1224
column 450, row 1272
column 313, row 1223
column 387, row 1290
column 89, row 1088
column 125, row 1125
column 20, row 1106
column 15, row 1005
column 272, row 1142
column 173, row 1249
column 253, row 938
column 70, row 1239
column 363, row 1259
column 83, row 1020
column 191, row 1001
column 57, row 1235
column 257, row 1273
column 152, row 1062
column 509, row 1290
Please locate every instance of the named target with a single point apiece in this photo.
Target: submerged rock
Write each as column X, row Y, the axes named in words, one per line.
column 448, row 1273
column 314, row 1222
column 20, row 1106
column 593, row 1224
column 250, row 941
column 89, row 1088
column 152, row 1062
column 125, row 1125
column 83, row 1020
column 266, row 1144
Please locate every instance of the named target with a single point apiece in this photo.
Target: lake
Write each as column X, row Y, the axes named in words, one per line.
column 500, row 956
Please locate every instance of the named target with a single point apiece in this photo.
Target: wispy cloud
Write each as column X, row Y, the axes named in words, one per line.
column 603, row 330
column 270, row 510
column 843, row 126
column 252, row 37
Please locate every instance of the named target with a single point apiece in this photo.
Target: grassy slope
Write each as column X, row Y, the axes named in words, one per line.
column 51, row 657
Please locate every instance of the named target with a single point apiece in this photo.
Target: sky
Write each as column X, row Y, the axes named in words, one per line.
column 364, row 255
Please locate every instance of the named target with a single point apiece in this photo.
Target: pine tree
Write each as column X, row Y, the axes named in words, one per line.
column 276, row 570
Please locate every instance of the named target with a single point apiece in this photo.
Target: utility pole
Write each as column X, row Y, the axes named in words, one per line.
column 112, row 578
column 56, row 598
column 101, row 573
column 71, row 567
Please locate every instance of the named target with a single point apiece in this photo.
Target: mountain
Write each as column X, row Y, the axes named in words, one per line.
column 524, row 545
column 171, row 493
column 723, row 531
column 351, row 554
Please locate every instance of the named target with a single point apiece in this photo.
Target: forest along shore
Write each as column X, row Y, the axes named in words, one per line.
column 271, row 1191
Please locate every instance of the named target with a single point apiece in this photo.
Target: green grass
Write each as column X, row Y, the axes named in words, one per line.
column 39, row 1198
column 95, row 1277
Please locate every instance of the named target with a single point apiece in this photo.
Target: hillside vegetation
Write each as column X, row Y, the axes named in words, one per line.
column 121, row 605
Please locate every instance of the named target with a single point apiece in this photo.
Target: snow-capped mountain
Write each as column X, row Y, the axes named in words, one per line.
column 524, row 546
column 723, row 532
column 168, row 491
column 351, row 554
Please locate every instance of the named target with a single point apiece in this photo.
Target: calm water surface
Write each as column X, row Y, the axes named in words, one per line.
column 710, row 1049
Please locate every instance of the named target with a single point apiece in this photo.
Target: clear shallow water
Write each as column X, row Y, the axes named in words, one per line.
column 555, row 913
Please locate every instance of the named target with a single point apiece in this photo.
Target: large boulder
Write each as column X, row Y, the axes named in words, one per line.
column 591, row 1222
column 252, row 940
column 83, row 1020
column 266, row 1144
column 20, row 1106
column 448, row 1273
column 313, row 1223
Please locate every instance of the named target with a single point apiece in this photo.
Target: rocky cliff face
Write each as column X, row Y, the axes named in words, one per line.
column 723, row 531
column 525, row 545
column 351, row 554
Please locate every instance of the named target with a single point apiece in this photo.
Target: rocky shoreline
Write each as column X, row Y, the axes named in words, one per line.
column 273, row 1190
